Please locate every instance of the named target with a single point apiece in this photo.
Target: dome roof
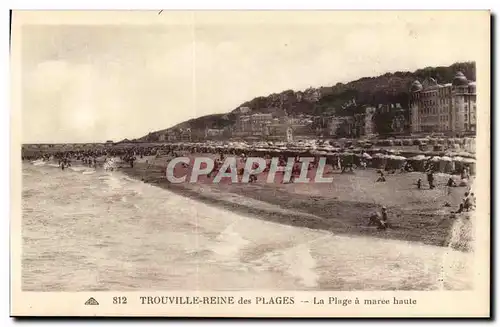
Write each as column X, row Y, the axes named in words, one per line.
column 431, row 83
column 460, row 80
column 416, row 86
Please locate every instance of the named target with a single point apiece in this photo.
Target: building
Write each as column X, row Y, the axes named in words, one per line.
column 214, row 133
column 252, row 125
column 278, row 132
column 185, row 134
column 362, row 123
column 369, row 128
column 448, row 108
column 320, row 125
column 341, row 126
column 171, row 136
column 286, row 132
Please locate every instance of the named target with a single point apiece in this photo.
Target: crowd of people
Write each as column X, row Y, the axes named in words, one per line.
column 98, row 156
column 90, row 157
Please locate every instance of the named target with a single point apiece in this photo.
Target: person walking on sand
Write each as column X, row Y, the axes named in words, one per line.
column 430, row 178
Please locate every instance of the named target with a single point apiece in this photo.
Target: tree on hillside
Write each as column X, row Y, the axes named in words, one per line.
column 384, row 89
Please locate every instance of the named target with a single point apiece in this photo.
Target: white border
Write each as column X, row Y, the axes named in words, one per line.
column 186, row 4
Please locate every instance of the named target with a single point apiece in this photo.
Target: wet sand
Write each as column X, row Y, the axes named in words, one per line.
column 342, row 207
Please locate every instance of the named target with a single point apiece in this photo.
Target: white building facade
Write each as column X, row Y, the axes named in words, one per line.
column 443, row 108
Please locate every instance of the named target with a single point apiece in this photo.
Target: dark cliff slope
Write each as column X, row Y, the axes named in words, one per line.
column 387, row 88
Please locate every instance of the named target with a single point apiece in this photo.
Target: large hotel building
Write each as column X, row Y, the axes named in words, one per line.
column 448, row 108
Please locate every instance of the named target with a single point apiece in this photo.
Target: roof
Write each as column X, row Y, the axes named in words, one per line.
column 416, row 86
column 460, row 79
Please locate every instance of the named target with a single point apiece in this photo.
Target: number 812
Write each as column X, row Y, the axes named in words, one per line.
column 119, row 300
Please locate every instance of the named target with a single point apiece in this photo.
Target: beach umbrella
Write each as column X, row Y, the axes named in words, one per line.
column 465, row 154
column 366, row 156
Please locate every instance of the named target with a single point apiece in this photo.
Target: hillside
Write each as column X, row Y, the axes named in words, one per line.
column 384, row 89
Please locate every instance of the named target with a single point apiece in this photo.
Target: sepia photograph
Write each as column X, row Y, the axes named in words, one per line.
column 265, row 152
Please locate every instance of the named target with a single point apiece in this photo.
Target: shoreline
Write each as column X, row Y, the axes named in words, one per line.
column 276, row 204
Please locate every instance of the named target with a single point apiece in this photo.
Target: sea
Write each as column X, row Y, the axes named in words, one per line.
column 92, row 230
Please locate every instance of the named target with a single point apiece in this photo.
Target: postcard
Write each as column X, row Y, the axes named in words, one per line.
column 250, row 163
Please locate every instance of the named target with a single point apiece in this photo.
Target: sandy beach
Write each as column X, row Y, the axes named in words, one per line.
column 342, row 207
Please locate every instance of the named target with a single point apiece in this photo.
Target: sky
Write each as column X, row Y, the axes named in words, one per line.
column 103, row 81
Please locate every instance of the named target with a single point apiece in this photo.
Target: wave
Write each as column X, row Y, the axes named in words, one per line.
column 38, row 163
column 113, row 182
column 77, row 168
column 302, row 265
column 229, row 242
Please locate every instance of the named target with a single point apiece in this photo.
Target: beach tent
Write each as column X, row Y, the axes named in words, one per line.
column 471, row 163
column 419, row 141
column 446, row 165
column 470, row 145
column 332, row 158
column 379, row 160
column 435, row 162
column 407, row 142
column 418, row 162
column 395, row 162
column 386, row 143
column 458, row 163
column 402, row 160
column 347, row 158
column 437, row 147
